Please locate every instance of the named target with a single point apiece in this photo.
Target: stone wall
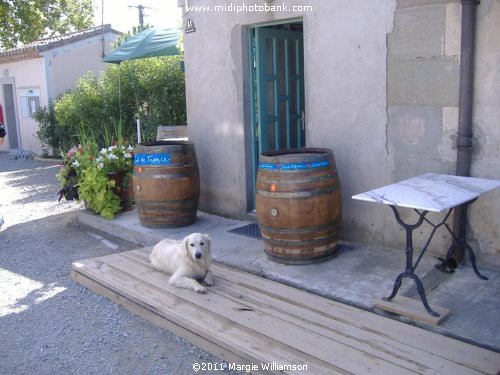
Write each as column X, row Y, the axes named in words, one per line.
column 381, row 90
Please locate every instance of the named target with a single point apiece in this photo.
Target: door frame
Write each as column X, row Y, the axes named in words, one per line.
column 249, row 76
column 14, row 115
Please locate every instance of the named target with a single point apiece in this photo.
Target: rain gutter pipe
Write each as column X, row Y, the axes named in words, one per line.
column 464, row 138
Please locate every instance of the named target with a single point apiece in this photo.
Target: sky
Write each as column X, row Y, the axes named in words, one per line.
column 159, row 13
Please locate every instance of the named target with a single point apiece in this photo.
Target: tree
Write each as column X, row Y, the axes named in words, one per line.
column 135, row 30
column 28, row 20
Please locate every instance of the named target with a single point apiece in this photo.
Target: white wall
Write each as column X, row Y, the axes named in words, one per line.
column 52, row 74
column 346, row 75
column 27, row 74
column 342, row 111
column 383, row 120
column 66, row 64
column 345, row 79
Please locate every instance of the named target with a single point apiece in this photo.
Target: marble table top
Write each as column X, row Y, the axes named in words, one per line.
column 430, row 192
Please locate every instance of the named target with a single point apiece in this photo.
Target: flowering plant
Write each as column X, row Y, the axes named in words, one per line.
column 69, row 174
column 100, row 179
column 116, row 158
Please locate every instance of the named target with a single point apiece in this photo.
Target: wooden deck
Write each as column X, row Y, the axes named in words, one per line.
column 247, row 320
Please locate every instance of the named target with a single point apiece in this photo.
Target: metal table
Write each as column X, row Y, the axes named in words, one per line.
column 429, row 193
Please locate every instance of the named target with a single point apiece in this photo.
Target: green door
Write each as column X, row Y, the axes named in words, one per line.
column 278, row 89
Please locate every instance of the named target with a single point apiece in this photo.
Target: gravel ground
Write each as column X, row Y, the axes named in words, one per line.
column 50, row 324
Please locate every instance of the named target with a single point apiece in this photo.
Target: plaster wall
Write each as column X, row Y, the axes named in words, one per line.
column 346, row 104
column 25, row 74
column 381, row 90
column 66, row 64
column 52, row 74
column 341, row 109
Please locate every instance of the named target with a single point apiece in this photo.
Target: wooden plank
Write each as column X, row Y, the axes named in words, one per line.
column 400, row 354
column 207, row 345
column 457, row 351
column 412, row 309
column 466, row 354
column 407, row 344
column 244, row 343
column 260, row 350
column 197, row 320
column 283, row 333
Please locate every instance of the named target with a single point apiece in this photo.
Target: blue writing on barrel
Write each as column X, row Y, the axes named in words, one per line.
column 152, row 159
column 294, row 166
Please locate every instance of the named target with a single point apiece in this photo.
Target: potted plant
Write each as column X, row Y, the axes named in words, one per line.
column 69, row 174
column 96, row 190
column 116, row 162
column 102, row 180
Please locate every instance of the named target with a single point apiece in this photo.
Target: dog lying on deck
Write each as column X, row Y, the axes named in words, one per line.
column 188, row 261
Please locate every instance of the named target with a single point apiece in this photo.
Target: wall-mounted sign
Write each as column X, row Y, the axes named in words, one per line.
column 190, row 27
column 30, row 102
column 152, row 159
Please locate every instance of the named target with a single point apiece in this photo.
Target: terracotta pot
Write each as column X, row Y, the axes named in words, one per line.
column 123, row 188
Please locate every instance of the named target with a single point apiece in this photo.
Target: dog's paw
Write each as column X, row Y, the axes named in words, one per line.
column 201, row 290
column 208, row 282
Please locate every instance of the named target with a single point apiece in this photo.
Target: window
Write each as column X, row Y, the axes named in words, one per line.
column 30, row 102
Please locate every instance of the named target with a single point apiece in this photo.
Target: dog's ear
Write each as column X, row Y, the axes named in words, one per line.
column 209, row 241
column 185, row 244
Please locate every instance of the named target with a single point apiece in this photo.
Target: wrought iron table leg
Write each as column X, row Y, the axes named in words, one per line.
column 397, row 284
column 460, row 242
column 421, row 291
column 472, row 258
column 409, row 228
column 420, row 288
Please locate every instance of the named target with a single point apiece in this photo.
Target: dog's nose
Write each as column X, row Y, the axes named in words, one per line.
column 197, row 255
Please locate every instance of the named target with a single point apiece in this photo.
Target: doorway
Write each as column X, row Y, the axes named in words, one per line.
column 276, row 88
column 10, row 115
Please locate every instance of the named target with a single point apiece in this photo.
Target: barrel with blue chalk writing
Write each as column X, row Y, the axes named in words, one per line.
column 299, row 205
column 166, row 183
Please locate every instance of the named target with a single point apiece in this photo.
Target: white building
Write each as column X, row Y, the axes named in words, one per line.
column 34, row 74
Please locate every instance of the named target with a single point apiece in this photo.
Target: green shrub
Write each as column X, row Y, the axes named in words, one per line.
column 96, row 189
column 103, row 110
column 49, row 132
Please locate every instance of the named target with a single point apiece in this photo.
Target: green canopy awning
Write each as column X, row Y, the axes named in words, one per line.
column 149, row 43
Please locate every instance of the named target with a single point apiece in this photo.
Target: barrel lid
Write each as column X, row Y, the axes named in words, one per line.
column 296, row 155
column 164, row 143
column 164, row 146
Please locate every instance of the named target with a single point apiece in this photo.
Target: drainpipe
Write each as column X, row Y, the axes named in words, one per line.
column 103, row 55
column 464, row 139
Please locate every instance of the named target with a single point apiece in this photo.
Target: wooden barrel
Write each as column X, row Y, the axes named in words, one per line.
column 299, row 204
column 166, row 183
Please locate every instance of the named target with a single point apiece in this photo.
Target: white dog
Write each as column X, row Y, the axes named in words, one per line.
column 188, row 261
